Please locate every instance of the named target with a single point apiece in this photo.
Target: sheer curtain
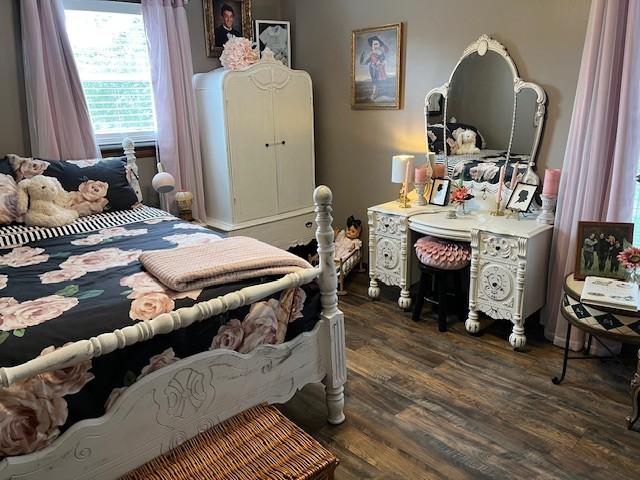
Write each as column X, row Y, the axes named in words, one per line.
column 59, row 122
column 601, row 158
column 165, row 22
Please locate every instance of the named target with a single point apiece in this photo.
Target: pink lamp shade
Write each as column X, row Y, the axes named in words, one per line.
column 402, row 168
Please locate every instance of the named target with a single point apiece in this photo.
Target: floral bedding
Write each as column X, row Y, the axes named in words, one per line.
column 485, row 166
column 60, row 285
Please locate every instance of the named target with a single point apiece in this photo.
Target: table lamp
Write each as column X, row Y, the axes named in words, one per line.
column 163, row 183
column 402, row 170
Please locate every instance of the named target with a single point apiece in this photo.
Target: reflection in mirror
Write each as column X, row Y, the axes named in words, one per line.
column 525, row 127
column 481, row 98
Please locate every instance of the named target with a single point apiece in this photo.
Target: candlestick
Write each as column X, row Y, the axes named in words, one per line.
column 547, row 215
column 500, row 185
column 514, row 177
column 551, row 182
column 420, row 200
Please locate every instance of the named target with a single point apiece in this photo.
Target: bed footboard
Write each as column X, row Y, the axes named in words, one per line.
column 175, row 403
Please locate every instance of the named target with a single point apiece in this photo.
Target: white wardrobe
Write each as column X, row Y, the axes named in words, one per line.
column 256, row 135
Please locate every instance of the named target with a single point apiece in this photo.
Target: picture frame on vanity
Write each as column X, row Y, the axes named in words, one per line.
column 276, row 35
column 439, row 191
column 597, row 249
column 222, row 17
column 521, row 197
column 377, row 67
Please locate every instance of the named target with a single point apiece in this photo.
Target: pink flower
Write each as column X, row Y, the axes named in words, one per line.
column 150, row 305
column 59, row 276
column 30, row 414
column 159, row 361
column 85, row 163
column 3, row 281
column 5, row 303
column 141, row 283
column 459, row 194
column 27, row 167
column 35, row 312
column 68, row 380
column 191, row 239
column 630, row 258
column 93, row 190
column 23, row 257
column 289, row 309
column 238, row 54
column 229, row 336
column 260, row 325
column 99, row 260
column 8, row 199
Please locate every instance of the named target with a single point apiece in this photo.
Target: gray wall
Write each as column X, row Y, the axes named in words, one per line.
column 353, row 147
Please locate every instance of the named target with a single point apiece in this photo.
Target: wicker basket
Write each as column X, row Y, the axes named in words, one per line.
column 259, row 443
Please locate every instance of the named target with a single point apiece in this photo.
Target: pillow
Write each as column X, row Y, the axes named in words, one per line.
column 5, row 166
column 94, row 185
column 8, row 199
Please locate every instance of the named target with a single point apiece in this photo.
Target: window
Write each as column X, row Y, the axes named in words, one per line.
column 110, row 49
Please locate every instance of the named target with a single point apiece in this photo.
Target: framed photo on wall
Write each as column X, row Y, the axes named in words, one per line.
column 376, row 70
column 224, row 17
column 598, row 246
column 277, row 36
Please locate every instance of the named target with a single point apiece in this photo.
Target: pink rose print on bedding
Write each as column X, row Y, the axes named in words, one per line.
column 8, row 199
column 89, row 162
column 34, row 312
column 113, row 396
column 31, row 415
column 150, row 305
column 100, row 260
column 290, row 309
column 23, row 257
column 142, row 283
column 59, row 276
column 229, row 336
column 191, row 239
column 3, row 281
column 66, row 381
column 260, row 325
column 106, row 234
column 26, row 167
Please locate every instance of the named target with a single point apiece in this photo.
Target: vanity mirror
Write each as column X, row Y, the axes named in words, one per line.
column 485, row 117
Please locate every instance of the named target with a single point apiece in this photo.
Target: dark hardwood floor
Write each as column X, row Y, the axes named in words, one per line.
column 422, row 404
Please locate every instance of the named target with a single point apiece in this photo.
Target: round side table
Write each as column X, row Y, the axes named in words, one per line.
column 600, row 322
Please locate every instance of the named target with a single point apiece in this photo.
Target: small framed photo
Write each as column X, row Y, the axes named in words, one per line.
column 277, row 36
column 439, row 191
column 376, row 70
column 599, row 244
column 521, row 197
column 224, row 17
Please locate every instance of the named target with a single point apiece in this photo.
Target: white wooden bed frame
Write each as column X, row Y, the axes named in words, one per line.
column 173, row 404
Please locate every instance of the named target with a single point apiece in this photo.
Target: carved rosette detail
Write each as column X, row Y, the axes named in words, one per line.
column 388, row 225
column 499, row 247
column 82, row 453
column 186, row 390
column 388, row 255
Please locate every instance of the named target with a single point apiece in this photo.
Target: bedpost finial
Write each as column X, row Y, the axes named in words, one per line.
column 322, row 195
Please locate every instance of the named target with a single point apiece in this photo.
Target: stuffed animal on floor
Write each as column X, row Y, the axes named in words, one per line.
column 463, row 141
column 40, row 199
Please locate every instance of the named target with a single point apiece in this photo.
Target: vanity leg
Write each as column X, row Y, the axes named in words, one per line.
column 374, row 289
column 472, row 325
column 404, row 301
column 635, row 397
column 517, row 339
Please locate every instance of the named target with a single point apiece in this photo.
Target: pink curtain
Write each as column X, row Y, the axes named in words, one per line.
column 165, row 22
column 59, row 122
column 603, row 148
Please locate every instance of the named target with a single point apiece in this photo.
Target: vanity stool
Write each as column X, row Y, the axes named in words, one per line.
column 444, row 262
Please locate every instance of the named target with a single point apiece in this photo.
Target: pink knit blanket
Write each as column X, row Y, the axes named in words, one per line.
column 224, row 261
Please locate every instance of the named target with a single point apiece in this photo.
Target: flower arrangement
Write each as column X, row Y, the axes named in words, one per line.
column 238, row 54
column 460, row 194
column 630, row 259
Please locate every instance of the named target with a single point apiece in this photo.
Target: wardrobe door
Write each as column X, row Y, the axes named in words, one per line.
column 251, row 150
column 293, row 119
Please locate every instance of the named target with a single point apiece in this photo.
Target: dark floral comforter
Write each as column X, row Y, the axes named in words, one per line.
column 72, row 283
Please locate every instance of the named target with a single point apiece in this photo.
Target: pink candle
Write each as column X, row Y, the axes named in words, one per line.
column 551, row 182
column 421, row 175
column 500, row 184
column 438, row 170
column 514, row 176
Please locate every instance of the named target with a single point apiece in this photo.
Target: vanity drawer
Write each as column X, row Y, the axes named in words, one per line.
column 388, row 260
column 389, row 225
column 503, row 248
column 496, row 289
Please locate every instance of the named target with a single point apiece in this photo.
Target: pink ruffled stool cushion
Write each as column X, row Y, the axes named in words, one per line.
column 443, row 254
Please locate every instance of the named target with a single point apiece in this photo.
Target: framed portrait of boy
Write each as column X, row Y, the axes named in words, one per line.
column 598, row 247
column 439, row 192
column 223, row 18
column 276, row 36
column 376, row 70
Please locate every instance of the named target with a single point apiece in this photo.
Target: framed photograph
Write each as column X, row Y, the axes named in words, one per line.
column 376, row 71
column 224, row 17
column 521, row 197
column 277, row 36
column 599, row 244
column 439, row 191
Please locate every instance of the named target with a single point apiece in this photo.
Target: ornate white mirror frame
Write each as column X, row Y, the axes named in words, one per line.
column 481, row 46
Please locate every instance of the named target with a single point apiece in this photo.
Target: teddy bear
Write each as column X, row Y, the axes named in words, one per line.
column 89, row 199
column 40, row 200
column 463, row 141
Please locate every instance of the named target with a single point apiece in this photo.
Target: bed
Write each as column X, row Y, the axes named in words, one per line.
column 90, row 290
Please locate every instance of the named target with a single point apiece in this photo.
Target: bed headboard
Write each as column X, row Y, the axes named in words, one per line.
column 128, row 147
